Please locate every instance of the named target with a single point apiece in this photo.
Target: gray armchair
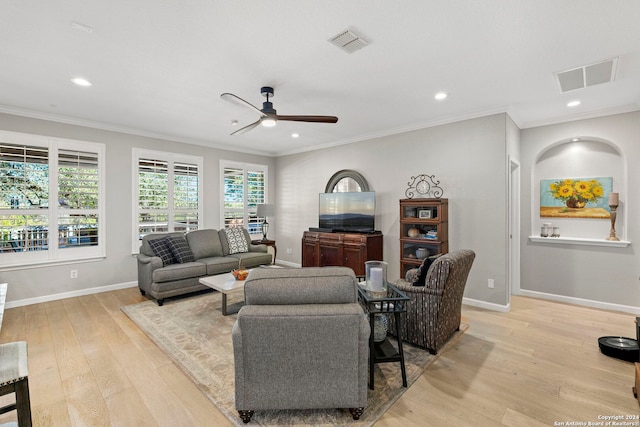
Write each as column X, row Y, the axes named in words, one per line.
column 434, row 310
column 300, row 342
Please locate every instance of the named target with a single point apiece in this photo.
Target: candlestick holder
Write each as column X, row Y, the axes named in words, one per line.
column 376, row 278
column 612, row 233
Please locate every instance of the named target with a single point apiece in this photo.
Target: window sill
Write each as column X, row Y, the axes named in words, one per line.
column 580, row 241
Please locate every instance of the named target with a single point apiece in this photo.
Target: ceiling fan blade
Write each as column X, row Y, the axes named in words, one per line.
column 247, row 128
column 239, row 101
column 313, row 119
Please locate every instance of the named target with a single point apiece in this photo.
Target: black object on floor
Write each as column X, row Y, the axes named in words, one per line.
column 620, row 347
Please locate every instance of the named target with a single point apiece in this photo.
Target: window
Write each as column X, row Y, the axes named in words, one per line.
column 167, row 193
column 243, row 189
column 51, row 199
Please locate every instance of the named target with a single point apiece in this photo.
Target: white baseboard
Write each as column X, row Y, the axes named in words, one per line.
column 582, row 302
column 289, row 264
column 63, row 295
column 486, row 305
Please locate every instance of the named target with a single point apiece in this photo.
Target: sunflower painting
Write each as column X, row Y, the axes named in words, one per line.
column 575, row 197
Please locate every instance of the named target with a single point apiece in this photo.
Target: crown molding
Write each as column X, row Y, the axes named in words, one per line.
column 123, row 129
column 629, row 108
column 403, row 129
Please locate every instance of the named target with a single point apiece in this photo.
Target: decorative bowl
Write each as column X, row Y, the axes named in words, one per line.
column 240, row 274
column 413, row 232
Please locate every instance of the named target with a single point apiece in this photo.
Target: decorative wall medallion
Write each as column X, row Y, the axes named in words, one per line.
column 425, row 186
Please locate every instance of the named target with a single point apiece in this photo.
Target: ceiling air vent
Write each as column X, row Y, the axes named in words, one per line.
column 348, row 41
column 587, row 75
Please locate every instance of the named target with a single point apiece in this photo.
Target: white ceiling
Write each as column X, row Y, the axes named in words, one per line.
column 158, row 67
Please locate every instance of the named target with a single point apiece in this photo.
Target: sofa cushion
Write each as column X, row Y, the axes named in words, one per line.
column 236, row 240
column 179, row 271
column 219, row 265
column 180, row 249
column 252, row 259
column 307, row 285
column 160, row 248
column 204, row 243
column 145, row 248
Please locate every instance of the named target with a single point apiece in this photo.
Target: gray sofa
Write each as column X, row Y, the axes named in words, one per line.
column 209, row 252
column 301, row 341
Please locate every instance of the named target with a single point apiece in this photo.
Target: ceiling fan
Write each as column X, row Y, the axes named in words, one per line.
column 268, row 115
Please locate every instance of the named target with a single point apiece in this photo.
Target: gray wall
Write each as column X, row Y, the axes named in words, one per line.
column 119, row 266
column 469, row 159
column 576, row 273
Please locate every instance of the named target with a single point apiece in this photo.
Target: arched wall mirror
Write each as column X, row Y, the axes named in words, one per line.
column 346, row 180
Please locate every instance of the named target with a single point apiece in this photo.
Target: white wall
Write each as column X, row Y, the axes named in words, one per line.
column 591, row 275
column 469, row 159
column 30, row 285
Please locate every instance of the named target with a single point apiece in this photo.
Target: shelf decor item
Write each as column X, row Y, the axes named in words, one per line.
column 376, row 277
column 614, row 200
column 424, row 213
column 380, row 327
column 423, row 186
column 422, row 253
column 413, row 232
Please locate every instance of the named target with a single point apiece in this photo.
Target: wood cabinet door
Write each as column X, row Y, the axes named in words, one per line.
column 354, row 258
column 309, row 258
column 330, row 253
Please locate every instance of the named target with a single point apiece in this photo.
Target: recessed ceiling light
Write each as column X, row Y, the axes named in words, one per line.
column 294, row 135
column 573, row 103
column 440, row 96
column 575, row 140
column 234, row 123
column 81, row 82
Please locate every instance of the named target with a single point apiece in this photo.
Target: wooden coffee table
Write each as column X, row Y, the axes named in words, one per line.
column 225, row 283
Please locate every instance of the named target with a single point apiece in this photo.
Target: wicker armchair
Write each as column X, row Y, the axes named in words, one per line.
column 434, row 310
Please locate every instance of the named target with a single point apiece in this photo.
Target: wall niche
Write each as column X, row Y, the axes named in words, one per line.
column 580, row 157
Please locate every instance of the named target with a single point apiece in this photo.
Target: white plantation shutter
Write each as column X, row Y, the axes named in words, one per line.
column 233, row 194
column 153, row 198
column 167, row 193
column 243, row 189
column 185, row 196
column 153, row 182
column 78, row 198
column 24, row 197
column 255, row 197
column 51, row 193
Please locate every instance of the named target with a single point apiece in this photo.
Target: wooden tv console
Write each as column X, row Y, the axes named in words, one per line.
column 320, row 249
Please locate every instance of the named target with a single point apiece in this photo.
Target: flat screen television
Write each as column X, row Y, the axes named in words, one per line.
column 354, row 212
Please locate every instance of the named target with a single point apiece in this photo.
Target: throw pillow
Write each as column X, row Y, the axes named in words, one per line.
column 180, row 249
column 236, row 239
column 160, row 248
column 423, row 269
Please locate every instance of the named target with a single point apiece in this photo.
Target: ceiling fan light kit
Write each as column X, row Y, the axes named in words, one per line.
column 268, row 115
column 268, row 122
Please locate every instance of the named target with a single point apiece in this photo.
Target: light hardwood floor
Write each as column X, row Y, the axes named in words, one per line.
column 535, row 366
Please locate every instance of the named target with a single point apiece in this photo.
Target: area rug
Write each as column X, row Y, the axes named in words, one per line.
column 195, row 335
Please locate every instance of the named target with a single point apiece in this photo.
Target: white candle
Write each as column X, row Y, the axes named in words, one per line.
column 375, row 275
column 613, row 199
